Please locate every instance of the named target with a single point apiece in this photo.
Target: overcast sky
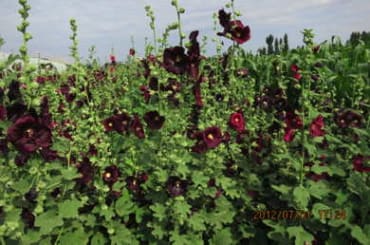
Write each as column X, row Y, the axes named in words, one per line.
column 112, row 24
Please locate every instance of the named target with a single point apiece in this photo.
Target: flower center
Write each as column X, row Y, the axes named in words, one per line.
column 236, row 119
column 177, row 184
column 30, row 132
column 210, row 136
column 110, row 124
column 107, row 175
column 156, row 118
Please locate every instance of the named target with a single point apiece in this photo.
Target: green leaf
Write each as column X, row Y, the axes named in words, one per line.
column 78, row 236
column 98, row 239
column 359, row 235
column 300, row 234
column 223, row 237
column 70, row 173
column 319, row 189
column 22, row 185
column 69, row 208
column 47, row 221
column 196, row 222
column 301, row 196
column 124, row 205
column 159, row 211
column 283, row 189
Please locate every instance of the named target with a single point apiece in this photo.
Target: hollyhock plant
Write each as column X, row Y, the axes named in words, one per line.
column 237, row 122
column 27, row 134
column 316, row 127
column 154, row 120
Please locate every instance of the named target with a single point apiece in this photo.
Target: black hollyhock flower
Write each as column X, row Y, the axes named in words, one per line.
column 176, row 186
column 14, row 92
column 111, row 175
column 17, row 110
column 137, row 128
column 48, row 154
column 146, row 93
column 232, row 169
column 233, row 29
column 121, row 122
column 28, row 218
column 153, row 83
column 359, row 163
column 87, row 172
column 194, row 56
column 154, row 120
column 27, row 134
column 109, row 124
column 4, row 146
column 31, row 195
column 224, row 18
column 175, row 60
column 212, row 136
column 2, row 113
column 348, row 118
column 21, row 159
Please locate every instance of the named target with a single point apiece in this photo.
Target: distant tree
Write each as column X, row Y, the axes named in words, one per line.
column 269, row 42
column 276, row 46
column 262, row 51
column 1, row 41
column 286, row 43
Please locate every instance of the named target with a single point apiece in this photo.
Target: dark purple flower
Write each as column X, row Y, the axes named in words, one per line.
column 154, row 120
column 146, row 92
column 233, row 29
column 21, row 159
column 28, row 218
column 86, row 170
column 109, row 124
column 2, row 113
column 348, row 118
column 14, row 92
column 137, row 128
column 48, row 154
column 212, row 136
column 111, row 175
column 358, row 163
column 27, row 134
column 176, row 186
column 31, row 195
column 175, row 60
column 121, row 122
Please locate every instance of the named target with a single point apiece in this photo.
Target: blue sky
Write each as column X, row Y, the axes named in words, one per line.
column 112, row 24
